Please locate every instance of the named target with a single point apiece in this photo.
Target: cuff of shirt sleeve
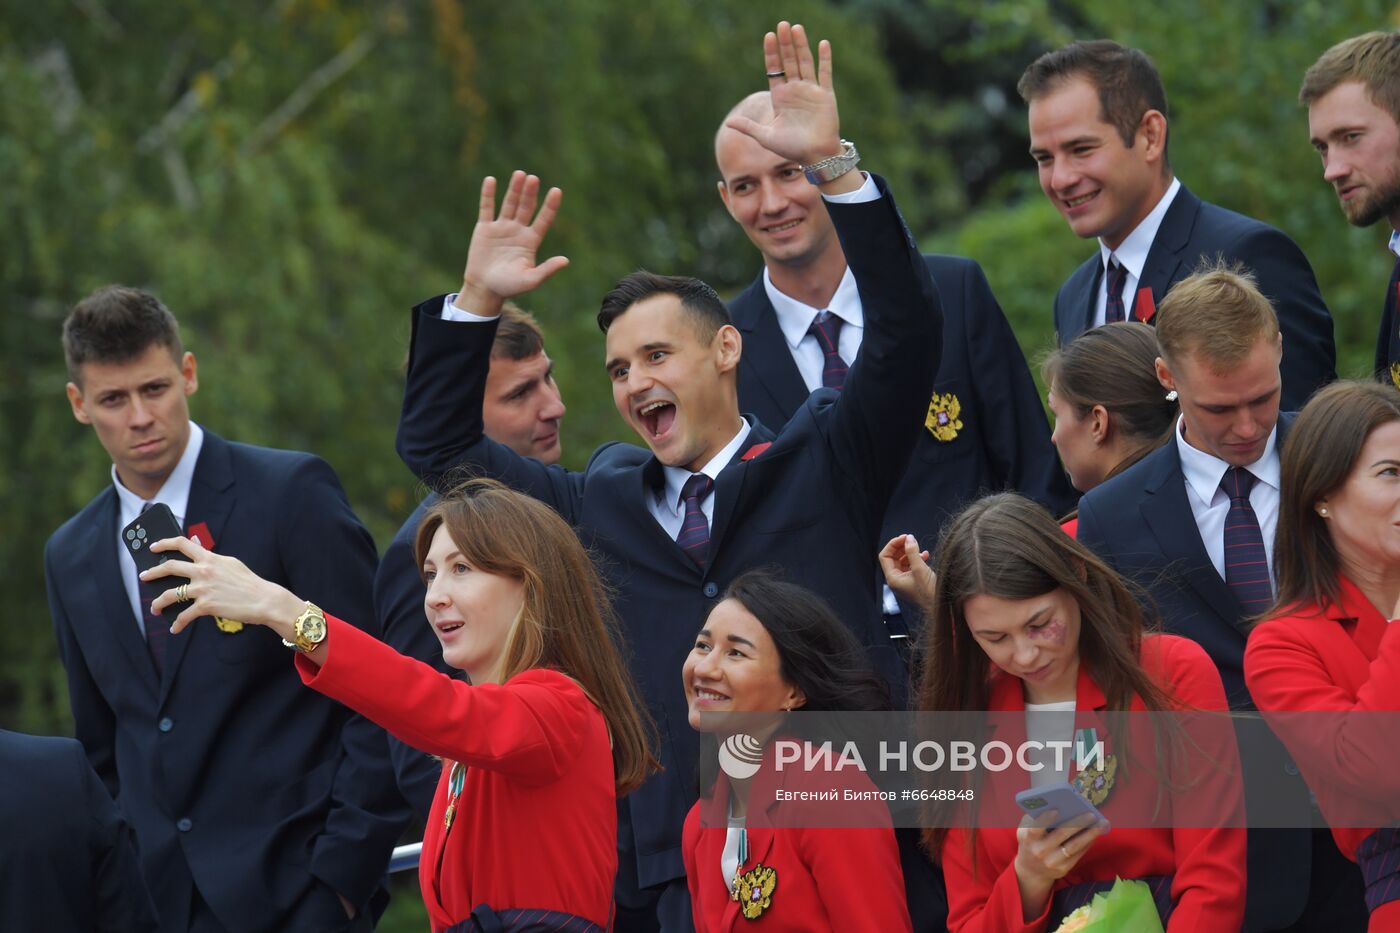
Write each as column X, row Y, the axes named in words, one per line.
column 866, row 192
column 451, row 312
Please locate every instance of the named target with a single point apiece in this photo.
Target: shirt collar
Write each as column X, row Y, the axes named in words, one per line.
column 175, row 492
column 676, row 476
column 795, row 318
column 1132, row 252
column 1395, row 242
column 1204, row 471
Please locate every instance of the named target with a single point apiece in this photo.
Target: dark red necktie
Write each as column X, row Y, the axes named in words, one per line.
column 827, row 329
column 694, row 538
column 1117, row 278
column 157, row 629
column 1246, row 563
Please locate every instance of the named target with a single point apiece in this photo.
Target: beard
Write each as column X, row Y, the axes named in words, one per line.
column 1384, row 201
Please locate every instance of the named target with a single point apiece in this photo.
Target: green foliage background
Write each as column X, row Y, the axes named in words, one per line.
column 292, row 175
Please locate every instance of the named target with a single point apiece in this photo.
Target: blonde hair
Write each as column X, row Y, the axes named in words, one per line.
column 1216, row 313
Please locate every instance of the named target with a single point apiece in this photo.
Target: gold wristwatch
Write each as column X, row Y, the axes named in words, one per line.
column 308, row 631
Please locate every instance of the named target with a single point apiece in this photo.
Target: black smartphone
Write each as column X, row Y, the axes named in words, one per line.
column 152, row 525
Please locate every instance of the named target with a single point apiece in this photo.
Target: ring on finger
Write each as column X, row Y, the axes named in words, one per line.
column 777, row 74
column 182, row 593
column 1065, row 853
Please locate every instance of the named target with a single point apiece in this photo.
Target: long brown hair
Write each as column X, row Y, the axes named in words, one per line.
column 566, row 622
column 1009, row 547
column 1319, row 453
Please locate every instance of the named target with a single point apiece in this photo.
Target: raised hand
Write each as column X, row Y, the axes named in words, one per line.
column 221, row 586
column 805, row 126
column 907, row 571
column 501, row 260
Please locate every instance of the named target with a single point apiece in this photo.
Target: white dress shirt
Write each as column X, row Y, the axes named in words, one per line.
column 175, row 493
column 1132, row 255
column 795, row 320
column 1210, row 504
column 665, row 504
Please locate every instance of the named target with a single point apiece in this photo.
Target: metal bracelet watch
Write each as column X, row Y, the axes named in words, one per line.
column 830, row 169
column 308, row 631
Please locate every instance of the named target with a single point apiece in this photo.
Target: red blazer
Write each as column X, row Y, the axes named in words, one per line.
column 1341, row 658
column 1208, row 864
column 536, row 822
column 827, row 878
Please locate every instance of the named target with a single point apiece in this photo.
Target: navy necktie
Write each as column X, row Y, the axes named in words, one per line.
column 827, row 329
column 157, row 629
column 1117, row 278
column 1246, row 563
column 694, row 538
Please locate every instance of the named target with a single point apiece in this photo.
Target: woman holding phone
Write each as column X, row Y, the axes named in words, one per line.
column 1027, row 624
column 536, row 748
column 766, row 649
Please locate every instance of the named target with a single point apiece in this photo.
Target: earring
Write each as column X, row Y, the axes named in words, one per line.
column 1171, row 396
column 1322, row 511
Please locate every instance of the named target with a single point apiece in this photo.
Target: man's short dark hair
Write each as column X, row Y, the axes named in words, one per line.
column 701, row 302
column 1127, row 81
column 117, row 324
column 518, row 336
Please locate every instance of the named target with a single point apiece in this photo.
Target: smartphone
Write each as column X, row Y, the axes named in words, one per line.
column 152, row 525
column 1061, row 797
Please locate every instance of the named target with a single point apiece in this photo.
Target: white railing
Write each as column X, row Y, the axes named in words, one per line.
column 405, row 858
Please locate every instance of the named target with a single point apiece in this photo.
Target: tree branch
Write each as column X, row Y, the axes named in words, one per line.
column 306, row 93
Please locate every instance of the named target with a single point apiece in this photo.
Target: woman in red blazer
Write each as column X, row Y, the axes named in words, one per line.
column 767, row 648
column 1022, row 615
column 536, row 748
column 1330, row 645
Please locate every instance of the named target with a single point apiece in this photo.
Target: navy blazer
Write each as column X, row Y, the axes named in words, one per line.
column 1003, row 441
column 1387, row 368
column 1140, row 522
column 1194, row 230
column 808, row 499
column 267, row 796
column 67, row 863
column 398, row 607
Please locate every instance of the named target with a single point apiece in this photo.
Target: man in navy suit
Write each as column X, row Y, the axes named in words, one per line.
column 1193, row 524
column 1352, row 93
column 520, row 409
column 984, row 429
column 67, row 864
column 713, row 494
column 1098, row 128
column 301, row 840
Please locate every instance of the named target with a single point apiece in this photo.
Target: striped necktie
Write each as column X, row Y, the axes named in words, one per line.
column 1246, row 563
column 827, row 329
column 694, row 538
column 1117, row 278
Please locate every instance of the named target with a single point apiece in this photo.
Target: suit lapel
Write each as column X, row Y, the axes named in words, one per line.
column 1165, row 257
column 1168, row 513
column 767, row 348
column 212, row 496
column 1086, row 300
column 730, row 485
column 101, row 601
column 639, row 487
